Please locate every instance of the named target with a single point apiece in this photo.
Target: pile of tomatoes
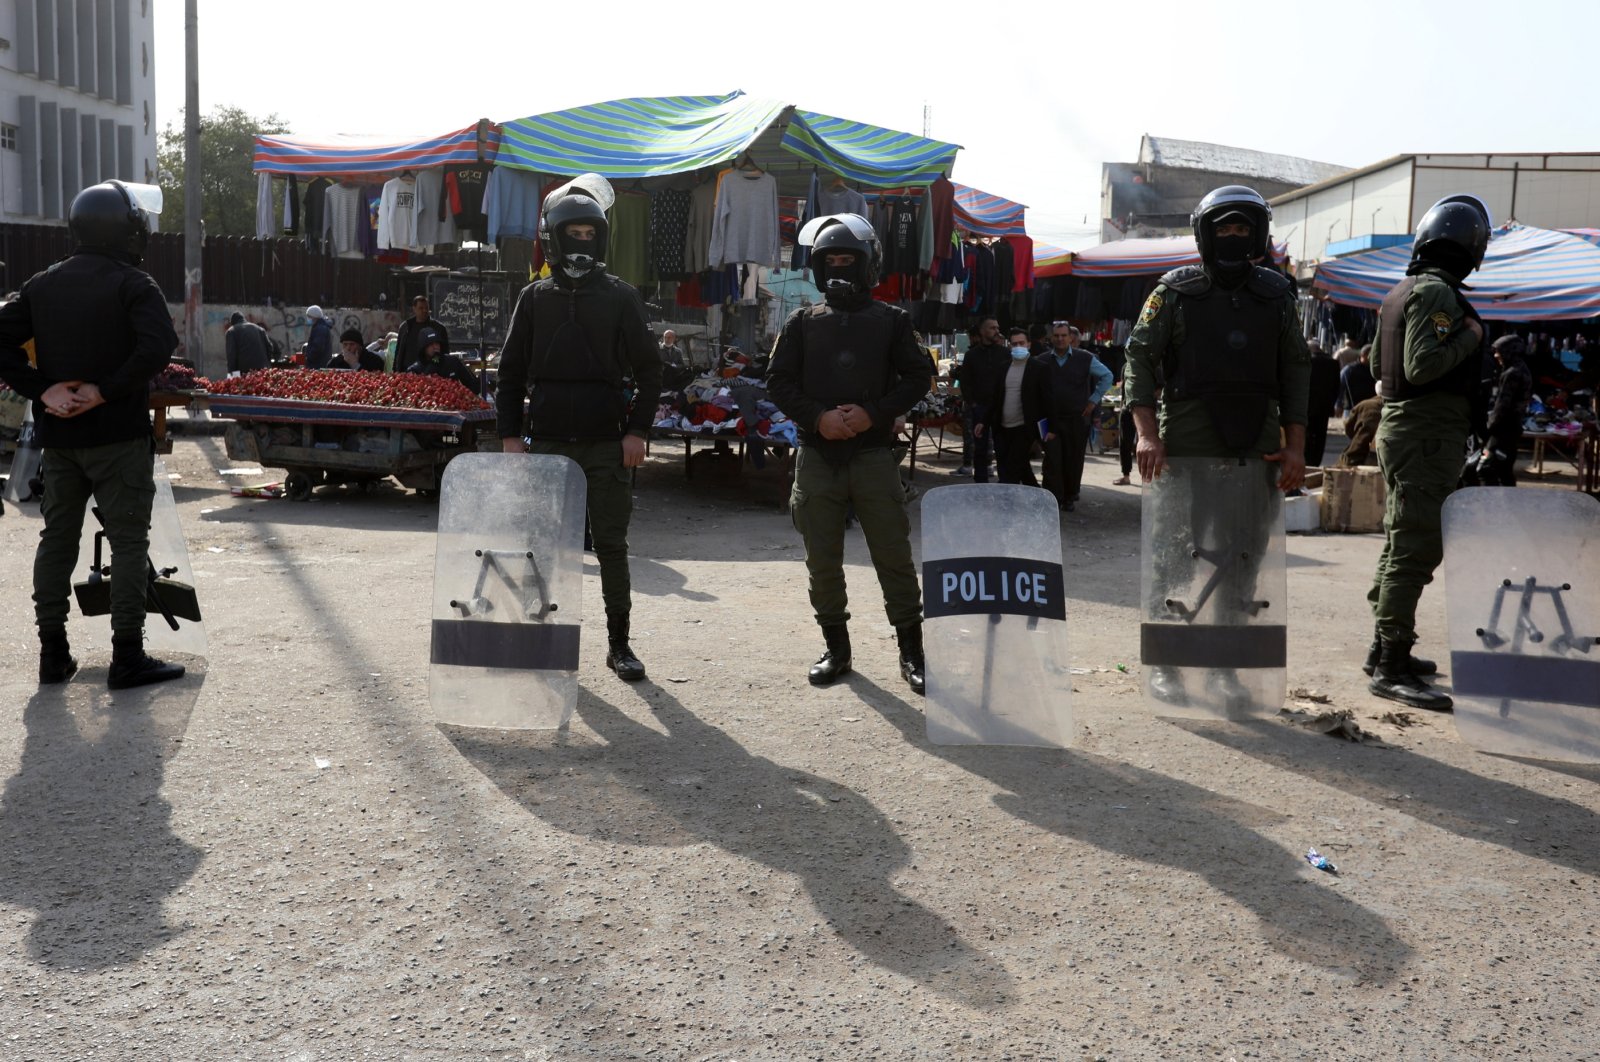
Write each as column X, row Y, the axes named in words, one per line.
column 396, row 391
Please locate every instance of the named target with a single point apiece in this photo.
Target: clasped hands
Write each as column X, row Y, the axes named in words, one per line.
column 844, row 422
column 70, row 398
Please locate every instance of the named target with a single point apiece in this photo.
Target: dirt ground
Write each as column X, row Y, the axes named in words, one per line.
column 284, row 857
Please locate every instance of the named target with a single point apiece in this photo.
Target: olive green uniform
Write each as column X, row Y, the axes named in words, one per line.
column 1186, row 425
column 1189, row 423
column 1421, row 442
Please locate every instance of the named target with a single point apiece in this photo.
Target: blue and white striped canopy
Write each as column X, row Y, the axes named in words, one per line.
column 1528, row 274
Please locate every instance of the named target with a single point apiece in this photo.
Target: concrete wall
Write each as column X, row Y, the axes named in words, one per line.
column 289, row 325
column 1377, row 202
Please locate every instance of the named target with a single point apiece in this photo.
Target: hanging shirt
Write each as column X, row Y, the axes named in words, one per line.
column 702, row 218
column 903, row 253
column 397, row 214
column 511, row 203
column 346, row 214
column 435, row 222
column 291, row 207
column 942, row 202
column 669, row 232
column 315, row 209
column 840, row 199
column 464, row 185
column 628, row 257
column 745, row 228
column 264, row 225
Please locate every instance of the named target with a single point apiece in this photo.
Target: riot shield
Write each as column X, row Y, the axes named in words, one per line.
column 22, row 480
column 995, row 629
column 1215, row 595
column 508, row 591
column 173, row 623
column 1522, row 582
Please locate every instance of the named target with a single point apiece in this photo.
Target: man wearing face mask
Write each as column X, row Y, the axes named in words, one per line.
column 1224, row 338
column 578, row 342
column 843, row 371
column 1064, row 395
column 1006, row 420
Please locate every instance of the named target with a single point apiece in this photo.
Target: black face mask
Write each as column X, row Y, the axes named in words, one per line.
column 841, row 280
column 1232, row 249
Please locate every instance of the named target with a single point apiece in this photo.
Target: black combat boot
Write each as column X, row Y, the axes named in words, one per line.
column 56, row 662
column 1419, row 665
column 1393, row 679
column 835, row 661
column 619, row 657
column 912, row 664
column 131, row 666
column 1223, row 683
column 1166, row 684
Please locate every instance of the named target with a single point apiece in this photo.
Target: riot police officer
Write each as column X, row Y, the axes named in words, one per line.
column 577, row 344
column 101, row 331
column 1222, row 342
column 843, row 370
column 1427, row 360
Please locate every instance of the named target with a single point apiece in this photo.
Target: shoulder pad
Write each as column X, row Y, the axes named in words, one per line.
column 1267, row 283
column 815, row 310
column 1188, row 280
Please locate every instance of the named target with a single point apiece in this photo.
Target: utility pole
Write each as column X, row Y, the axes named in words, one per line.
column 193, row 304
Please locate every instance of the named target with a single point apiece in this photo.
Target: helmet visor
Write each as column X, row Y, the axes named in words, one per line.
column 859, row 227
column 145, row 196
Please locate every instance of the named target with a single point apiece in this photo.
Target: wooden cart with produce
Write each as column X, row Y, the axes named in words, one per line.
column 349, row 427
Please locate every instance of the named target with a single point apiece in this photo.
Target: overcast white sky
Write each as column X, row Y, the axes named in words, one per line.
column 1038, row 95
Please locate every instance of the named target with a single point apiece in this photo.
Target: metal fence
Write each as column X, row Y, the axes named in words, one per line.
column 239, row 269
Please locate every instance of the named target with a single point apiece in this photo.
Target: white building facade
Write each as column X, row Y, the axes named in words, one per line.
column 1357, row 210
column 77, row 101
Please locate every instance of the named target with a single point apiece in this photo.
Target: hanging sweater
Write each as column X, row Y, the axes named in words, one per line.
column 746, row 224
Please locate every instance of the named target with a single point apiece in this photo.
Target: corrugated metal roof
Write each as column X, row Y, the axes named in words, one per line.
column 1219, row 158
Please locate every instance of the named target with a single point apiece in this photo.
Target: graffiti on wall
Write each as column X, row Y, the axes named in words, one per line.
column 287, row 325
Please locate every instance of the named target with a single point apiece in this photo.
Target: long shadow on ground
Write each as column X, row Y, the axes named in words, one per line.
column 85, row 835
column 703, row 786
column 1147, row 816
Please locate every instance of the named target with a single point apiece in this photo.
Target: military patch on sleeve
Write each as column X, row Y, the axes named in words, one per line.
column 1441, row 324
column 1152, row 306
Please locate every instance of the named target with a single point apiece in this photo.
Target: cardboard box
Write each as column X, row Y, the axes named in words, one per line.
column 1352, row 500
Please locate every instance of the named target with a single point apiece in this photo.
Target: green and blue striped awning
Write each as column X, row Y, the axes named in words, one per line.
column 657, row 136
column 646, row 137
column 868, row 153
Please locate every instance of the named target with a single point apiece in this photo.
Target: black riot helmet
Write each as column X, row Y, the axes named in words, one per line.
column 836, row 233
column 574, row 258
column 1453, row 234
column 1231, row 202
column 106, row 217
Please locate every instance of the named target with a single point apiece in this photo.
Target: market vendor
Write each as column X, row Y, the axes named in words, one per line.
column 435, row 362
column 352, row 355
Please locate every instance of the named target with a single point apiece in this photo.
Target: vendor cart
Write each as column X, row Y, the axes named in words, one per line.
column 326, row 442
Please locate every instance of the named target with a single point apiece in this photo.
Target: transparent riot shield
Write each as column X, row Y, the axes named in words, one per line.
column 22, row 480
column 995, row 631
column 508, row 591
column 1522, row 582
column 1215, row 595
column 173, row 623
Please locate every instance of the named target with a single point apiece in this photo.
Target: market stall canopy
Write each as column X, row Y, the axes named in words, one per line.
column 1528, row 274
column 342, row 154
column 665, row 135
column 1131, row 258
column 1050, row 260
column 982, row 214
column 1592, row 235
